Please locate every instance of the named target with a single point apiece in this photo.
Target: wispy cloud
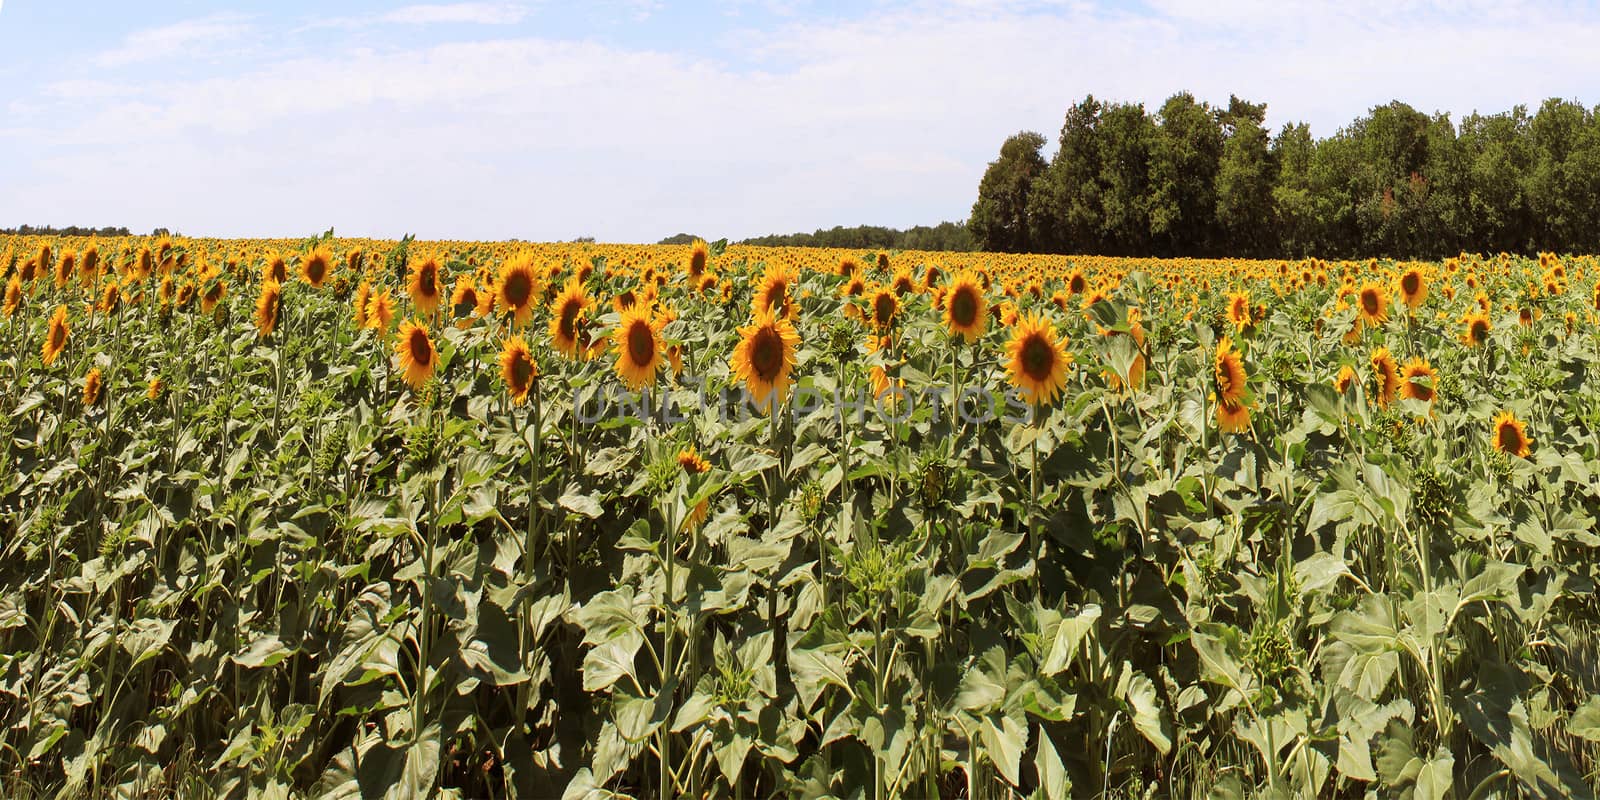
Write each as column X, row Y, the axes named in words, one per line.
column 432, row 14
column 176, row 39
column 461, row 13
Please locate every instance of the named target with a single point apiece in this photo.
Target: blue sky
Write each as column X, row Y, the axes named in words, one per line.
column 630, row 120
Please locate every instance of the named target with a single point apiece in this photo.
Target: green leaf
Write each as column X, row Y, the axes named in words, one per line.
column 1053, row 777
column 266, row 651
column 1585, row 721
column 1005, row 743
column 1069, row 636
column 1140, row 693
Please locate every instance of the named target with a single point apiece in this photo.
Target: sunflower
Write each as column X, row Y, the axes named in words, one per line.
column 66, row 267
column 1077, row 283
column 568, row 322
column 1234, row 418
column 1239, row 309
column 89, row 267
column 1413, row 287
column 1476, row 330
column 423, row 286
column 380, row 311
column 1231, row 380
column 965, row 308
column 1037, row 361
column 13, row 294
column 354, row 259
column 55, row 338
column 638, row 351
column 1387, row 375
column 885, row 307
column 775, row 294
column 1136, row 368
column 110, row 298
column 1346, row 378
column 1231, row 394
column 675, row 358
column 698, row 257
column 268, row 307
column 518, row 368
column 691, row 462
column 854, row 287
column 91, row 387
column 417, row 356
column 362, row 298
column 276, row 270
column 517, row 289
column 1418, row 380
column 316, row 266
column 155, row 388
column 464, row 301
column 1373, row 303
column 903, row 282
column 765, row 356
column 1511, row 435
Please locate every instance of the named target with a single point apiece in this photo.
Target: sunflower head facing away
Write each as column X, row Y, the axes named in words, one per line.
column 1386, row 376
column 91, row 387
column 55, row 336
column 1418, row 380
column 269, row 306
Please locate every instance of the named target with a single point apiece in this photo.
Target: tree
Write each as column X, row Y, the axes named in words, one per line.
column 1000, row 216
column 1064, row 207
column 1245, row 181
column 1184, row 156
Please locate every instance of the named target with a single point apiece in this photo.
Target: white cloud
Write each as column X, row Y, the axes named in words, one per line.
column 431, row 14
column 473, row 13
column 885, row 119
column 176, row 40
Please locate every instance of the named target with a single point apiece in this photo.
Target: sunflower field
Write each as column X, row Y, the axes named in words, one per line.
column 352, row 518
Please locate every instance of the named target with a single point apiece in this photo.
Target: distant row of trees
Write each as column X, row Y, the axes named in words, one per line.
column 70, row 230
column 946, row 236
column 1193, row 179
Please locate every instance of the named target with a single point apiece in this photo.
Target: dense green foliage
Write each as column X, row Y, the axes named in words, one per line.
column 946, row 236
column 1196, row 180
column 70, row 230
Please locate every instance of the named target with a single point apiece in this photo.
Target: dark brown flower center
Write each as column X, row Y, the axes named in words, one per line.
column 641, row 343
column 766, row 354
column 421, row 348
column 964, row 306
column 1038, row 357
column 516, row 289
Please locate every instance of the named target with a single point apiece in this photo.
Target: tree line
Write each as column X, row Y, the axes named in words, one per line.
column 946, row 236
column 70, row 230
column 1192, row 179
